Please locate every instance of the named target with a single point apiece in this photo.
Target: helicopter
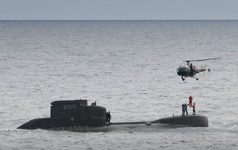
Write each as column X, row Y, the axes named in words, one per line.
column 190, row 70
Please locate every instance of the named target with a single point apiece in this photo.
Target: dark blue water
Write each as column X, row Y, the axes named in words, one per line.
column 127, row 66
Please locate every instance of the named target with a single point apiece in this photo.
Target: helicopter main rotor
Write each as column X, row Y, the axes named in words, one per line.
column 188, row 61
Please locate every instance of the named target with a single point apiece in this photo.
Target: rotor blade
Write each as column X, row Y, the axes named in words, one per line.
column 202, row 59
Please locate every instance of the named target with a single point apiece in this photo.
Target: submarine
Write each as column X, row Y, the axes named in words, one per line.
column 77, row 113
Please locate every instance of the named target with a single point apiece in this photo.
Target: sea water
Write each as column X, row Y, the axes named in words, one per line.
column 129, row 67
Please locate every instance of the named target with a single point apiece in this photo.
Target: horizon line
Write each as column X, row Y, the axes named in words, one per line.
column 119, row 20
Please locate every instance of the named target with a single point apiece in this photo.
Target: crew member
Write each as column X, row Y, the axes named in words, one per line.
column 195, row 69
column 108, row 117
column 185, row 108
column 194, row 112
column 190, row 101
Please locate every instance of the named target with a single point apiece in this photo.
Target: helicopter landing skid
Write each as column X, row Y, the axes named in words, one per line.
column 196, row 78
column 183, row 78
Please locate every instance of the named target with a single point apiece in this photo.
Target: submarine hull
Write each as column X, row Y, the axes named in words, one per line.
column 76, row 113
column 189, row 120
column 47, row 123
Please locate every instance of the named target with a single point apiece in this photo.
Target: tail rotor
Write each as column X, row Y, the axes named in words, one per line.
column 204, row 69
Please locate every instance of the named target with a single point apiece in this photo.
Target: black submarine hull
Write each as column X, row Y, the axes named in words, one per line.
column 52, row 123
column 47, row 123
column 76, row 113
column 188, row 120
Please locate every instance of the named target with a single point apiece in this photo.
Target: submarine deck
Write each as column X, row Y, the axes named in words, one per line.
column 188, row 120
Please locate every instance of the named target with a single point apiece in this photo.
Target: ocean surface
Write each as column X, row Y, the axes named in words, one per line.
column 129, row 67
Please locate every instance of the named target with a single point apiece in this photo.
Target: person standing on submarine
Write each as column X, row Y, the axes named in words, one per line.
column 108, row 117
column 190, row 101
column 185, row 108
column 194, row 112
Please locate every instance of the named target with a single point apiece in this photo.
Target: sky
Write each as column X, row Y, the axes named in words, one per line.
column 118, row 9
